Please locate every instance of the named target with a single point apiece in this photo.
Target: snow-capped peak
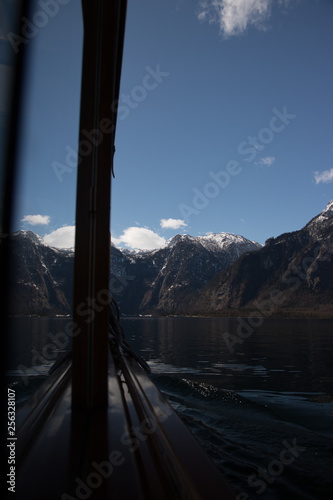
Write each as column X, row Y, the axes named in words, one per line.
column 212, row 241
column 328, row 210
column 30, row 235
column 316, row 225
column 221, row 240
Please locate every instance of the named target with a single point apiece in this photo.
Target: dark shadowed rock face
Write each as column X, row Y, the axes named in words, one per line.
column 41, row 276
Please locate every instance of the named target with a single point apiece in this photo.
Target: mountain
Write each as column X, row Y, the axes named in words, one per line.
column 42, row 276
column 158, row 281
column 294, row 270
column 172, row 274
column 213, row 274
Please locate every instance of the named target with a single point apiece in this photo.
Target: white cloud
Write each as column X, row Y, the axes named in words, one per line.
column 64, row 237
column 325, row 176
column 266, row 162
column 172, row 223
column 234, row 16
column 35, row 220
column 202, row 15
column 139, row 238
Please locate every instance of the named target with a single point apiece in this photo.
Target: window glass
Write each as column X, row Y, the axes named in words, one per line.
column 42, row 236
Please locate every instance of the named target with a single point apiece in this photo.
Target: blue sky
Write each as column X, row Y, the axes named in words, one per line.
column 225, row 122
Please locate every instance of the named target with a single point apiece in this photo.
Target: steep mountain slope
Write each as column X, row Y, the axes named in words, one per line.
column 292, row 270
column 42, row 276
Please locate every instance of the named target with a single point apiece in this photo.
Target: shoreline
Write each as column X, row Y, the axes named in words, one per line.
column 323, row 312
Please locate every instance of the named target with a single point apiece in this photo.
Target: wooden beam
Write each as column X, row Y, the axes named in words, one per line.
column 102, row 52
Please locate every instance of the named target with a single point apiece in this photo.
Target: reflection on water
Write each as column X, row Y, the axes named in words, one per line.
column 283, row 355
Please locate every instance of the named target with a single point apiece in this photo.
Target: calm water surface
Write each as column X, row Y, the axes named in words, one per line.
column 247, row 394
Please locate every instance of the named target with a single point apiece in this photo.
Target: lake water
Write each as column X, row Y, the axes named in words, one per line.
column 258, row 399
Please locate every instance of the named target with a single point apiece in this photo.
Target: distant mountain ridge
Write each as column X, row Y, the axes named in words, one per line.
column 294, row 270
column 141, row 282
column 189, row 275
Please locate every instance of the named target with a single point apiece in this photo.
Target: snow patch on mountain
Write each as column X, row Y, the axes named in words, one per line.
column 327, row 212
column 321, row 221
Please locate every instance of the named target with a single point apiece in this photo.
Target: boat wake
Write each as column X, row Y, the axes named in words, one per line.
column 245, row 432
